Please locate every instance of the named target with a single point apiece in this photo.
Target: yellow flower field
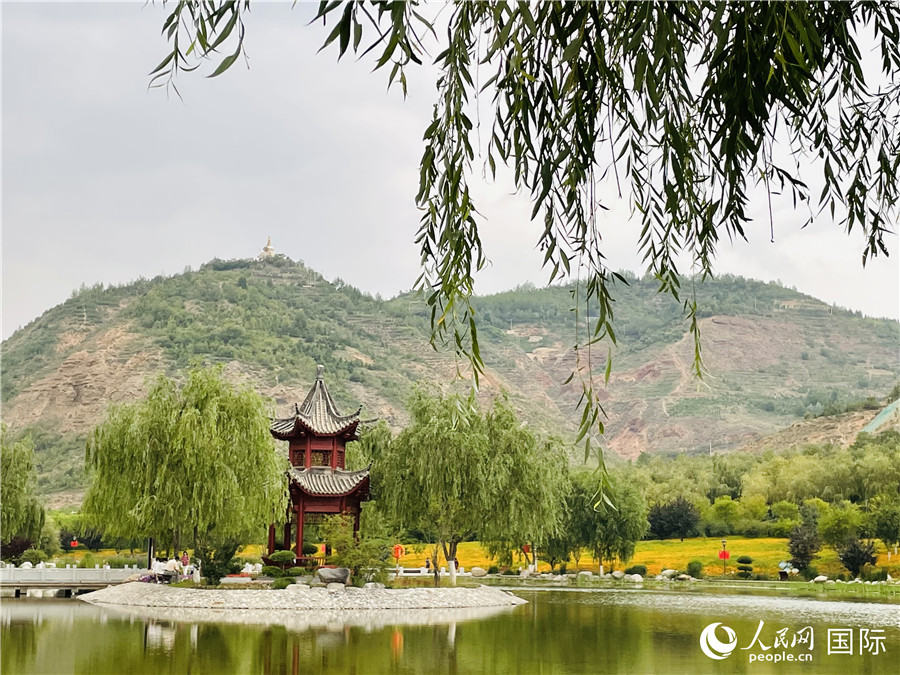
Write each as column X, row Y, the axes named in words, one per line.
column 674, row 554
column 656, row 555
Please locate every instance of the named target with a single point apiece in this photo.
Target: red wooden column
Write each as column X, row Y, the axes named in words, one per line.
column 271, row 539
column 298, row 551
column 286, row 538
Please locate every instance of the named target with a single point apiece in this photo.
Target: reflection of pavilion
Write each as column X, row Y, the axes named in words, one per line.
column 317, row 435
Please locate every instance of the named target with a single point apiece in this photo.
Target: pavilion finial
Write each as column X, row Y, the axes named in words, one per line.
column 320, row 372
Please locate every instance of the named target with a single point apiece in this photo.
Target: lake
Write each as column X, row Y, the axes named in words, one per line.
column 575, row 631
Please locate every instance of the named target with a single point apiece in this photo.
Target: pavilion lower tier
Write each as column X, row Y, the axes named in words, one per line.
column 309, row 510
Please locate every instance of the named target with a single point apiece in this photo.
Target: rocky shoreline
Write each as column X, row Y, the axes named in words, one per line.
column 300, row 597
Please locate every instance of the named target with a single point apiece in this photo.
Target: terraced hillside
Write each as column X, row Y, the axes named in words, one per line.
column 772, row 354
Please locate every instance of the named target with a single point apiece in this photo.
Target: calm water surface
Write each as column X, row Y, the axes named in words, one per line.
column 563, row 632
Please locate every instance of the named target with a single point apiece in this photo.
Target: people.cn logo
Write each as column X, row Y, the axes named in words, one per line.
column 712, row 646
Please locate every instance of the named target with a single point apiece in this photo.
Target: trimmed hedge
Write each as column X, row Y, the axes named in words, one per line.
column 282, row 557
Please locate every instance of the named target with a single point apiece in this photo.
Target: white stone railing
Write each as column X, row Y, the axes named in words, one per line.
column 66, row 575
column 423, row 572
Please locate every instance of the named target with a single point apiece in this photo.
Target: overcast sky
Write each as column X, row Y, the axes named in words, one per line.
column 107, row 181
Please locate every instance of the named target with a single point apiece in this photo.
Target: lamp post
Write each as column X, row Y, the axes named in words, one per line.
column 724, row 556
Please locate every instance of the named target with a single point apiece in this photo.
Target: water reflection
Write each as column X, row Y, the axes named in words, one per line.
column 302, row 620
column 557, row 632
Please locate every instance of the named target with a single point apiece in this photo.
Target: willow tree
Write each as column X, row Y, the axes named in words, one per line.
column 191, row 462
column 21, row 514
column 692, row 112
column 611, row 532
column 455, row 472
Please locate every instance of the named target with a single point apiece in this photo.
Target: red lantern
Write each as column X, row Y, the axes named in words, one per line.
column 526, row 549
column 73, row 543
column 724, row 555
column 399, row 551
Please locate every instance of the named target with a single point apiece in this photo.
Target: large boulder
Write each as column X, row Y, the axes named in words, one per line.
column 333, row 575
column 636, row 578
column 684, row 577
column 668, row 574
column 479, row 572
column 618, row 574
column 821, row 579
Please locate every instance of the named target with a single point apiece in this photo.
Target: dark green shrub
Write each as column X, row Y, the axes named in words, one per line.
column 34, row 556
column 782, row 528
column 809, row 572
column 745, row 560
column 872, row 573
column 695, row 569
column 493, row 569
column 637, row 569
column 121, row 561
column 753, row 528
column 310, row 549
column 282, row 558
column 296, row 571
column 217, row 560
column 272, row 571
column 562, row 568
column 283, row 582
column 857, row 554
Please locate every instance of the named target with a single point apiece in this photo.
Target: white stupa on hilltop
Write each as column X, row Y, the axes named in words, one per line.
column 268, row 250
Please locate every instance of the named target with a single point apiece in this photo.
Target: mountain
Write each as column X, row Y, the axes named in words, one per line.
column 772, row 356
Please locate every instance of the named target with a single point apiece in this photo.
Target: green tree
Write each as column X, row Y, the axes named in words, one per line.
column 193, row 462
column 677, row 518
column 785, row 510
column 687, row 109
column 455, row 472
column 722, row 516
column 804, row 541
column 21, row 514
column 840, row 524
column 885, row 521
column 617, row 525
column 856, row 554
column 367, row 554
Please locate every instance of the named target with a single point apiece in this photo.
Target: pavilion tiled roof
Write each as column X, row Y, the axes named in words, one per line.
column 317, row 414
column 323, row 480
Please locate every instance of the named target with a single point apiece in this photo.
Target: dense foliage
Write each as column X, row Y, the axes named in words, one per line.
column 677, row 518
column 455, row 471
column 191, row 463
column 21, row 513
column 366, row 554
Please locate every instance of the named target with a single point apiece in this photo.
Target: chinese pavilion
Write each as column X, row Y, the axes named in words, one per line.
column 317, row 435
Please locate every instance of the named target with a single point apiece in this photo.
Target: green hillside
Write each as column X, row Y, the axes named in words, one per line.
column 773, row 355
